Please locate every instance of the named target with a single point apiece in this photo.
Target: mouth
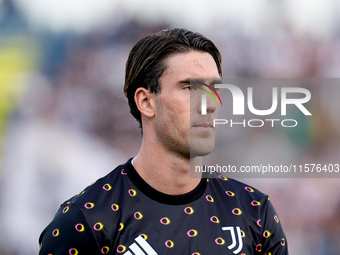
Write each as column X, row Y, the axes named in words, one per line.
column 203, row 125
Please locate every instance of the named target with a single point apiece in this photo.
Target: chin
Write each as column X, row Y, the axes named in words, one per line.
column 201, row 151
column 201, row 147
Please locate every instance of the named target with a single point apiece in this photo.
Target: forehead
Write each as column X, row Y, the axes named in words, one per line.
column 192, row 64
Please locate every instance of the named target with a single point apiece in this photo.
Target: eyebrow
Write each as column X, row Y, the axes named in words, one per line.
column 201, row 81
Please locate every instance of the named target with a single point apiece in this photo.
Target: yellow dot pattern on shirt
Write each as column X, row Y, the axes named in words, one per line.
column 166, row 220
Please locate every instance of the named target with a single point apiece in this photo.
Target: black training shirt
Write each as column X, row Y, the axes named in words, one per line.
column 121, row 214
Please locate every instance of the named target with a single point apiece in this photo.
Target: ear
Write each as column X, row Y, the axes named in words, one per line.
column 145, row 102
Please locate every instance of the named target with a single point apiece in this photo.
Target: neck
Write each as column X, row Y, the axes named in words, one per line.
column 166, row 172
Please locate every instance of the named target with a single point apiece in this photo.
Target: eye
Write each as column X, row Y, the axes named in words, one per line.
column 190, row 87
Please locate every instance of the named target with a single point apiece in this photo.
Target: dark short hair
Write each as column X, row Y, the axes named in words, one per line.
column 146, row 62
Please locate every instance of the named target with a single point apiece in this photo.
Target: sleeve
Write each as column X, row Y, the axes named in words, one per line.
column 273, row 237
column 68, row 233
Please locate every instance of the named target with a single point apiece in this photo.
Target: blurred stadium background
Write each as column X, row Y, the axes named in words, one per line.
column 64, row 121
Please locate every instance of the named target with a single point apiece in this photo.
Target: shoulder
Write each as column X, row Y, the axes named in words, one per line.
column 81, row 220
column 245, row 198
column 101, row 190
column 232, row 187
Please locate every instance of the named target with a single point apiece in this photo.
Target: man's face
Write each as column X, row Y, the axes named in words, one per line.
column 181, row 128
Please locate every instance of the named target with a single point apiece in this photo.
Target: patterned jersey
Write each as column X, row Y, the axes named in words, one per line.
column 121, row 214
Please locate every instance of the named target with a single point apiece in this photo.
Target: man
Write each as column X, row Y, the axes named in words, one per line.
column 150, row 205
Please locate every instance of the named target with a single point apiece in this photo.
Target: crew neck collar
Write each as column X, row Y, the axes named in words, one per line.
column 163, row 197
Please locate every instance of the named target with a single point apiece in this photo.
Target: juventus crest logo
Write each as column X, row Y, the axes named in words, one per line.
column 233, row 239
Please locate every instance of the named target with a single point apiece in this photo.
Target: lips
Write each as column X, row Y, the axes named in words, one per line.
column 203, row 124
column 206, row 125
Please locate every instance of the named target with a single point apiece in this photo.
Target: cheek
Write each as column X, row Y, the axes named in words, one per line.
column 179, row 113
column 174, row 120
column 173, row 111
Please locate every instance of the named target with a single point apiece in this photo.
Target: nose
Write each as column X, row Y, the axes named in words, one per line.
column 211, row 104
column 208, row 104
